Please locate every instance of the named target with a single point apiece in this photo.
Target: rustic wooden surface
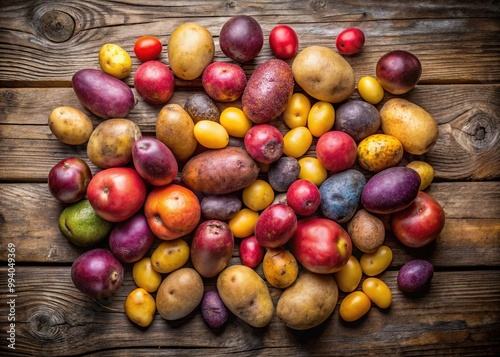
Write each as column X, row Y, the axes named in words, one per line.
column 43, row 43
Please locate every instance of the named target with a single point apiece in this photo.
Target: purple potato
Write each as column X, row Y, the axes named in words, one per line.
column 154, row 161
column 130, row 240
column 221, row 207
column 283, row 173
column 68, row 180
column 398, row 71
column 102, row 94
column 213, row 310
column 97, row 273
column 390, row 190
column 415, row 275
column 357, row 118
column 241, row 38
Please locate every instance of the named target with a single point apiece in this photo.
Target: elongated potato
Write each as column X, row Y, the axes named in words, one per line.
column 221, row 171
column 246, row 295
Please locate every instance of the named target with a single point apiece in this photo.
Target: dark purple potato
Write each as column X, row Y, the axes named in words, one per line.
column 220, row 207
column 398, row 71
column 68, row 180
column 283, row 173
column 390, row 190
column 357, row 118
column 154, row 161
column 213, row 310
column 97, row 273
column 415, row 275
column 130, row 240
column 241, row 38
column 102, row 94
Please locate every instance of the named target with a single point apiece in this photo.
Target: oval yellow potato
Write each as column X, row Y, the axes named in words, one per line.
column 115, row 61
column 280, row 268
column 246, row 295
column 426, row 172
column 170, row 255
column 297, row 141
column 349, row 277
column 140, row 307
column 210, row 134
column 309, row 301
column 378, row 292
column 190, row 49
column 354, row 306
column 70, row 125
column 296, row 111
column 321, row 118
column 145, row 276
column 379, row 151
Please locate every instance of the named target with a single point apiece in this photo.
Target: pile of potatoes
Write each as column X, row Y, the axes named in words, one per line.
column 382, row 136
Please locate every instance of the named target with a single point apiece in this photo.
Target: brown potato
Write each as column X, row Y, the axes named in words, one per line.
column 201, row 107
column 70, row 125
column 221, row 171
column 174, row 128
column 367, row 231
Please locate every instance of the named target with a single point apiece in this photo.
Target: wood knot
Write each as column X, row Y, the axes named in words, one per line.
column 56, row 25
column 479, row 132
column 317, row 5
column 44, row 324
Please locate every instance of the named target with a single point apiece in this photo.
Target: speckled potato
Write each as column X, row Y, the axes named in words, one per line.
column 426, row 172
column 366, row 230
column 70, row 125
column 111, row 142
column 280, row 268
column 246, row 295
column 409, row 123
column 174, row 128
column 179, row 294
column 323, row 74
column 309, row 301
column 379, row 151
column 190, row 48
column 140, row 307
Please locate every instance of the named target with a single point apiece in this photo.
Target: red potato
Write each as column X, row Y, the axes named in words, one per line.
column 264, row 143
column 398, row 71
column 283, row 41
column 336, row 151
column 275, row 226
column 350, row 41
column 241, row 38
column 154, row 82
column 251, row 252
column 303, row 197
column 154, row 161
column 223, row 81
column 68, row 180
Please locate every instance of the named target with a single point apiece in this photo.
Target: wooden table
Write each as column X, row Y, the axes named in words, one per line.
column 43, row 43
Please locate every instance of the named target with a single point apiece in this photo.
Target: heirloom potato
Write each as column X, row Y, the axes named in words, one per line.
column 366, row 230
column 280, row 267
column 379, row 151
column 246, row 295
column 140, row 307
column 309, row 301
column 70, row 125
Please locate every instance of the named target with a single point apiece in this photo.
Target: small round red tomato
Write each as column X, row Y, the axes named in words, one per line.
column 147, row 48
column 283, row 41
column 350, row 41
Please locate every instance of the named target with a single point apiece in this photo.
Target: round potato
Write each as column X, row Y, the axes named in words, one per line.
column 367, row 231
column 110, row 144
column 280, row 268
column 70, row 125
column 323, row 74
column 191, row 49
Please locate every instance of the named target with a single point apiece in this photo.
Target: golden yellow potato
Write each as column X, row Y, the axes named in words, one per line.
column 145, row 276
column 366, row 230
column 246, row 295
column 70, row 125
column 174, row 127
column 190, row 49
column 179, row 294
column 425, row 171
column 115, row 61
column 280, row 267
column 409, row 123
column 170, row 255
column 309, row 301
column 323, row 74
column 111, row 142
column 379, row 151
column 140, row 307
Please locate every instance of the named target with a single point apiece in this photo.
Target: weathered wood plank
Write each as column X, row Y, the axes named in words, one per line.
column 29, row 217
column 460, row 312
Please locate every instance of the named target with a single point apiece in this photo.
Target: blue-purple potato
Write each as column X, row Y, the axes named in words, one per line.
column 102, row 94
column 340, row 195
column 390, row 190
column 268, row 91
column 357, row 118
column 220, row 171
column 154, row 161
column 283, row 173
column 213, row 310
column 415, row 276
column 221, row 207
column 97, row 273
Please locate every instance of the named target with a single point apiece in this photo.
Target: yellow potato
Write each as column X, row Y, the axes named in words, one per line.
column 309, row 301
column 175, row 128
column 409, row 123
column 246, row 295
column 170, row 255
column 425, row 171
column 70, row 125
column 140, row 307
column 191, row 49
column 379, row 151
column 145, row 276
column 115, row 61
column 179, row 294
column 280, row 268
column 111, row 142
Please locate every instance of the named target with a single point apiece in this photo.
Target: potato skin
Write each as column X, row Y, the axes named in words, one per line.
column 246, row 295
column 268, row 91
column 367, row 231
column 379, row 151
column 70, row 125
column 221, row 171
column 309, row 301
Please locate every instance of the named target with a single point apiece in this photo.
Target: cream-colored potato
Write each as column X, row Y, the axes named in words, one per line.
column 412, row 125
column 246, row 295
column 111, row 142
column 70, row 125
column 179, row 294
column 323, row 74
column 190, row 49
column 366, row 230
column 309, row 301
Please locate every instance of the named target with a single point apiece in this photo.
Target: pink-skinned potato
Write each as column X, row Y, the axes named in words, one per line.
column 154, row 161
column 154, row 82
column 275, row 226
